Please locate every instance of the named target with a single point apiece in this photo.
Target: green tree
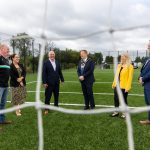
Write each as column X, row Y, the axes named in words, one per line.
column 109, row 59
column 137, row 59
column 22, row 43
column 143, row 59
column 98, row 58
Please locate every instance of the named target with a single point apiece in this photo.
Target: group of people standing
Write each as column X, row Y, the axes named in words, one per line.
column 17, row 75
column 123, row 77
column 52, row 75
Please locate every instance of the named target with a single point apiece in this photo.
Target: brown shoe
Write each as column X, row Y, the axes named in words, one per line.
column 123, row 116
column 45, row 112
column 115, row 114
column 6, row 122
column 145, row 122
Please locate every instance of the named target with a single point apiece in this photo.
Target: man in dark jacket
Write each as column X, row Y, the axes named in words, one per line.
column 85, row 72
column 4, row 77
column 51, row 77
column 144, row 79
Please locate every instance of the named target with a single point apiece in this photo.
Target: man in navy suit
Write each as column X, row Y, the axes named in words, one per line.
column 51, row 77
column 85, row 72
column 144, row 80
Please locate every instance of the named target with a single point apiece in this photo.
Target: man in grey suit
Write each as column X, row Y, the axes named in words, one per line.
column 144, row 80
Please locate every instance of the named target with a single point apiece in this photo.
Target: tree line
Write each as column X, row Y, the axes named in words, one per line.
column 29, row 54
column 109, row 59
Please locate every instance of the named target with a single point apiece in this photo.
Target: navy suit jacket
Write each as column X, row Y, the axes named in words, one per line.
column 145, row 74
column 88, row 71
column 50, row 76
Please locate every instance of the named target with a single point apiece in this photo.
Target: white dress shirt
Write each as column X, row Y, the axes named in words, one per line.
column 53, row 64
column 85, row 60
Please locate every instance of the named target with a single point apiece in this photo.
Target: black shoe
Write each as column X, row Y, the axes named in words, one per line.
column 86, row 108
column 93, row 107
column 115, row 114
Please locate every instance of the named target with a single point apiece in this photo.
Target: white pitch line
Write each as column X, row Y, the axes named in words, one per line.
column 72, row 104
column 99, row 82
column 80, row 93
column 31, row 82
column 95, row 72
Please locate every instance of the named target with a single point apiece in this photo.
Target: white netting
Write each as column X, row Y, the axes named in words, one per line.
column 39, row 105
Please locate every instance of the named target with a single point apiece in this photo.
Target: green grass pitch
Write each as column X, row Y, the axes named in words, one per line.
column 77, row 132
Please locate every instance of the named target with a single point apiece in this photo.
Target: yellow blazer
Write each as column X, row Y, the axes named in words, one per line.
column 126, row 76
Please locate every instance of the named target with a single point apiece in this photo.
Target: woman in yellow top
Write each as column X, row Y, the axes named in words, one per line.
column 124, row 75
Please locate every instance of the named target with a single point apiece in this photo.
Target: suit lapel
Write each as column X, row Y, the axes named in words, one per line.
column 51, row 65
column 145, row 64
column 86, row 63
column 56, row 65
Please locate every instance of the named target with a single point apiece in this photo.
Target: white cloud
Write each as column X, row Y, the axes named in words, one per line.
column 70, row 18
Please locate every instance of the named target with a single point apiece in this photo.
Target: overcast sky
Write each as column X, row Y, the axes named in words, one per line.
column 72, row 18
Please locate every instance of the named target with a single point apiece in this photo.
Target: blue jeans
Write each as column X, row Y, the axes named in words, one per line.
column 3, row 99
column 147, row 100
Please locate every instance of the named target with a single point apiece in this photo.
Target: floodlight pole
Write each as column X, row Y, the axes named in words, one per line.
column 33, row 54
column 13, row 44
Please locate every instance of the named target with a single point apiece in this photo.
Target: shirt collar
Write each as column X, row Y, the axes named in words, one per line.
column 85, row 59
column 52, row 60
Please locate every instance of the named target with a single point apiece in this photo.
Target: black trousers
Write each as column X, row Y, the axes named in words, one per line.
column 48, row 94
column 88, row 95
column 116, row 98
